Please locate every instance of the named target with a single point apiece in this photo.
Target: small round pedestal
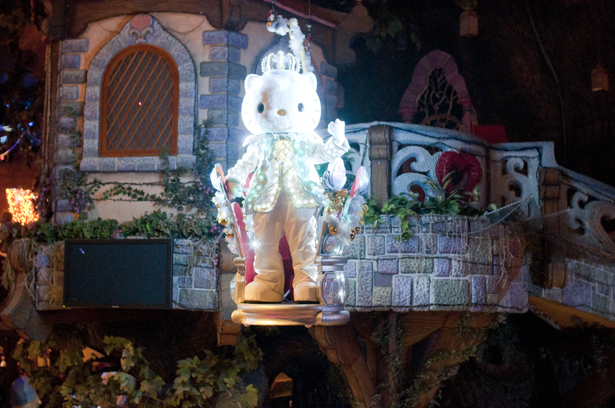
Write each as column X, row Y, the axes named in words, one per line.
column 289, row 314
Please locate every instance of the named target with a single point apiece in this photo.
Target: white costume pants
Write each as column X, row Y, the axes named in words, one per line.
column 300, row 227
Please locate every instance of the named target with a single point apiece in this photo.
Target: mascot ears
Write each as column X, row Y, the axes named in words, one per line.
column 311, row 79
column 251, row 80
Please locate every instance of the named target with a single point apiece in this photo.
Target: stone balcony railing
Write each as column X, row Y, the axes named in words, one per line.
column 571, row 216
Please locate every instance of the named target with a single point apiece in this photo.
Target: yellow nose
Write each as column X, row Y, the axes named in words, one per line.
column 281, row 112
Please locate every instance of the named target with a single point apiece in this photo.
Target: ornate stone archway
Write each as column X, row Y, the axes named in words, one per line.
column 141, row 29
column 437, row 60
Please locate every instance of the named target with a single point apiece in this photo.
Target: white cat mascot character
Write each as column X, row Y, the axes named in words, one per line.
column 281, row 109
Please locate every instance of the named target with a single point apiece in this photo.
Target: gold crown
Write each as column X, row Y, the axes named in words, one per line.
column 281, row 61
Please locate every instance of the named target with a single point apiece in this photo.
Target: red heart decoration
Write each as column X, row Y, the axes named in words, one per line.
column 464, row 169
column 141, row 21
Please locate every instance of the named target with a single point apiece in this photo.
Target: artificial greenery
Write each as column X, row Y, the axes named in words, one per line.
column 183, row 196
column 406, row 205
column 66, row 380
column 178, row 194
column 73, row 182
column 435, row 370
column 157, row 224
column 372, row 216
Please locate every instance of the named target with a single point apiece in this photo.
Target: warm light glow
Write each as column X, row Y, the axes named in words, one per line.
column 21, row 206
column 600, row 79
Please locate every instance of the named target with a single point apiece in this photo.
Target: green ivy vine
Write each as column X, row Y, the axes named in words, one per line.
column 178, row 194
column 439, row 367
column 406, row 205
column 157, row 224
column 71, row 182
column 66, row 380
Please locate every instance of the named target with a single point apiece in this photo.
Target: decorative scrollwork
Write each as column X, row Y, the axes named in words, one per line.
column 597, row 212
column 424, row 170
column 516, row 180
column 141, row 26
column 577, row 212
column 443, row 120
column 587, row 217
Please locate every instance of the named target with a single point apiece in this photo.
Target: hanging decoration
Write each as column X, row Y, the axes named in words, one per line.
column 282, row 26
column 600, row 79
column 468, row 24
column 21, row 205
column 468, row 21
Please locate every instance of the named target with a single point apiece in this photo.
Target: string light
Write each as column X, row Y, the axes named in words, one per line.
column 21, row 205
column 6, row 153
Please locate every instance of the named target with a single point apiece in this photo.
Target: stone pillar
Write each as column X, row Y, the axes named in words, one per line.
column 469, row 119
column 72, row 81
column 225, row 75
column 553, row 272
column 380, row 155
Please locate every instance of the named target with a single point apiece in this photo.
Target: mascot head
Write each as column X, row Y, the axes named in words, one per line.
column 282, row 99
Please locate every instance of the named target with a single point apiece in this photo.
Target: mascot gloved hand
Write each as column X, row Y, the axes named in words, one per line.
column 281, row 109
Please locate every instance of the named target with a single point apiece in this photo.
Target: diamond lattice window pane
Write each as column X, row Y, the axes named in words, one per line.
column 140, row 99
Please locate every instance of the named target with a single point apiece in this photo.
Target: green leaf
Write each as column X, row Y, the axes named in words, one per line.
column 127, row 381
column 206, row 391
column 249, row 398
column 127, row 360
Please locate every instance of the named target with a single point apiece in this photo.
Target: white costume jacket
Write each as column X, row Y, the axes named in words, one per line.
column 284, row 160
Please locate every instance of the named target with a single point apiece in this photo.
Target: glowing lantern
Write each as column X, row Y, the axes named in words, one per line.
column 468, row 24
column 600, row 79
column 282, row 387
column 21, row 205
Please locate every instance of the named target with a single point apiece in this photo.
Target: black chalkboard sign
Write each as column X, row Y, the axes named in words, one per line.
column 135, row 273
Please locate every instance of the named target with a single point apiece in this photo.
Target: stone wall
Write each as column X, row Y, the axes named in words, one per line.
column 49, row 271
column 72, row 79
column 212, row 65
column 195, row 275
column 449, row 263
column 225, row 76
column 589, row 287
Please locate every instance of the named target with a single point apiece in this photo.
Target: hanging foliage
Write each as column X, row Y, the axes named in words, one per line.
column 120, row 374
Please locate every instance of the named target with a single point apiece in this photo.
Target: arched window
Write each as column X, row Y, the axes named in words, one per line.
column 139, row 103
column 439, row 105
column 438, row 95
